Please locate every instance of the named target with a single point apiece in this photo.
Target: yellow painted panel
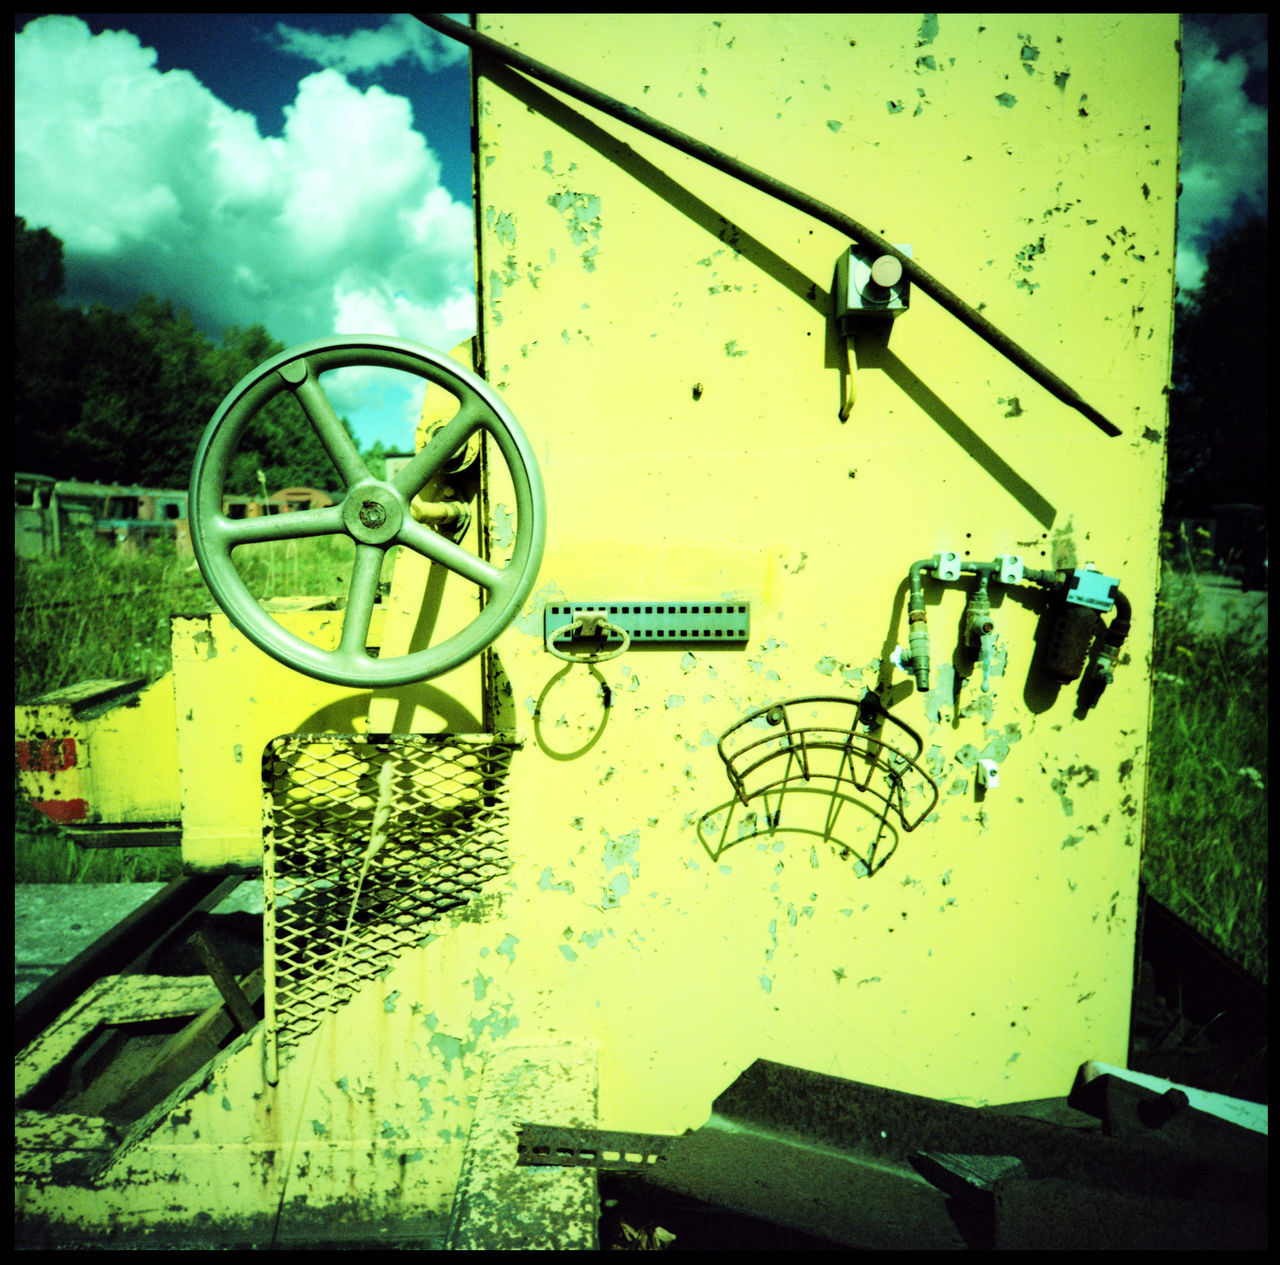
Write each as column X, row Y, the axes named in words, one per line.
column 232, row 699
column 120, row 766
column 663, row 333
column 664, row 336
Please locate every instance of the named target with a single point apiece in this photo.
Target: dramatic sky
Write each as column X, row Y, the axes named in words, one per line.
column 311, row 172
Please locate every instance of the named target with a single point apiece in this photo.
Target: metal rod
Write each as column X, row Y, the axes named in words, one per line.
column 846, row 224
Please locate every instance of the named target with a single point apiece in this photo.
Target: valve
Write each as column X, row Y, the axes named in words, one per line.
column 980, row 630
column 374, row 513
column 1085, row 593
column 1081, row 597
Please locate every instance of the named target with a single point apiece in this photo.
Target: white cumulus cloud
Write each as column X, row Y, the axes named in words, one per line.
column 401, row 36
column 339, row 225
column 1224, row 149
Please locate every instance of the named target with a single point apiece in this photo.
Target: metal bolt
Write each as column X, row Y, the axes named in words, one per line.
column 372, row 514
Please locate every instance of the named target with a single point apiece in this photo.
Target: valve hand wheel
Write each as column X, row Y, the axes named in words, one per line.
column 375, row 513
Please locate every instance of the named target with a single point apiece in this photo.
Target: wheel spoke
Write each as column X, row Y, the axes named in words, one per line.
column 295, row 525
column 439, row 549
column 333, row 435
column 361, row 595
column 442, row 445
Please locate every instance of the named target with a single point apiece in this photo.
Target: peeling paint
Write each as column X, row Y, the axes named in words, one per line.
column 547, row 882
column 1007, row 99
column 503, row 527
column 447, row 1047
column 942, row 695
column 621, row 851
column 618, row 886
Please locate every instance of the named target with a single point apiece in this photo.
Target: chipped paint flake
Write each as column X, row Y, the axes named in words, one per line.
column 547, row 882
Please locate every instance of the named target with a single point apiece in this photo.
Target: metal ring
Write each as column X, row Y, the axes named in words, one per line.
column 601, row 657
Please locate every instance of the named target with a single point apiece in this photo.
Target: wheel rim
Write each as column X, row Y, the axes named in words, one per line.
column 372, row 512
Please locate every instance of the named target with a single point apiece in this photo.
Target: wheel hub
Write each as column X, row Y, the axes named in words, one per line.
column 372, row 513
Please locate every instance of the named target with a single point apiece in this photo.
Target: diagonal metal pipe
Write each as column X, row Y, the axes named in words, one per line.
column 968, row 316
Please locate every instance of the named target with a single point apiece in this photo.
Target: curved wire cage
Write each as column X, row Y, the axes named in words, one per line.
column 832, row 749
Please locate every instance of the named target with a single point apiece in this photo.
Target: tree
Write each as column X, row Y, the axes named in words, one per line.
column 38, row 272
column 124, row 396
column 48, row 349
column 1218, row 418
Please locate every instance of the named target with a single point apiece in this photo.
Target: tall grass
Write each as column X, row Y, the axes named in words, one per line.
column 1206, row 834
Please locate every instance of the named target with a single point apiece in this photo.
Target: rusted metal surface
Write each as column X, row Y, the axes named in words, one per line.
column 878, row 1169
column 124, row 948
column 500, row 1207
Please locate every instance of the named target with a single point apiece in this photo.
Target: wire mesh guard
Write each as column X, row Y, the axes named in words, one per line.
column 427, row 813
column 809, row 752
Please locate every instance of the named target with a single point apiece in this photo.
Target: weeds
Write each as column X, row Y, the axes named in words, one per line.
column 1206, row 830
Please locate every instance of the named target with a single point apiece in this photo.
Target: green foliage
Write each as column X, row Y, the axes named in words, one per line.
column 1206, row 829
column 376, row 459
column 1218, row 409
column 38, row 272
column 123, row 397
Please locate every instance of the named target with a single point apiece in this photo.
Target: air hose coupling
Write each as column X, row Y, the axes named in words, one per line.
column 1102, row 673
column 918, row 629
column 918, row 648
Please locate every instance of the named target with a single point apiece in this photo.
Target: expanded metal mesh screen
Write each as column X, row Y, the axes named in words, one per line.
column 429, row 814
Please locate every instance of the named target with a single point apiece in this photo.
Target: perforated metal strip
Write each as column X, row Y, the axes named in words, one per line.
column 724, row 621
column 557, row 1145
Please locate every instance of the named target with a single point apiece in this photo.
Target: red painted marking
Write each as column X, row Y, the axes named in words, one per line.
column 62, row 810
column 52, row 755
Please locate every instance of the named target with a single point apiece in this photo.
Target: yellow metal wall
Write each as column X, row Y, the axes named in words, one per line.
column 662, row 333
